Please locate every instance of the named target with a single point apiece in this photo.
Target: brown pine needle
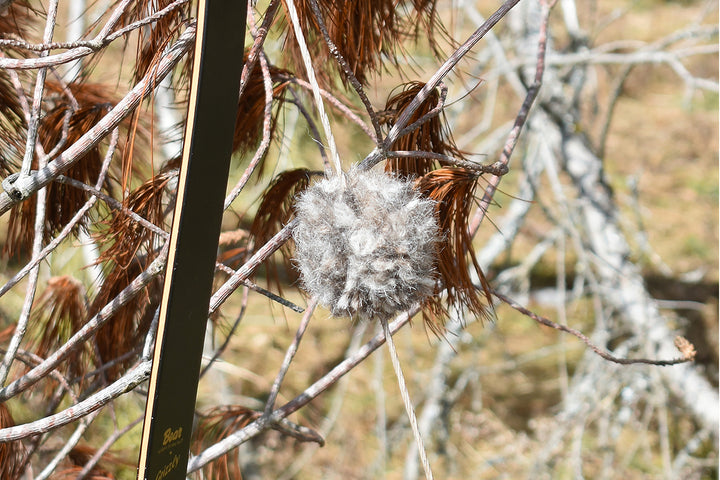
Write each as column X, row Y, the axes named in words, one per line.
column 362, row 30
column 11, row 453
column 58, row 313
column 151, row 44
column 453, row 189
column 131, row 251
column 215, row 425
column 251, row 107
column 80, row 456
column 275, row 211
column 430, row 135
column 62, row 201
column 125, row 331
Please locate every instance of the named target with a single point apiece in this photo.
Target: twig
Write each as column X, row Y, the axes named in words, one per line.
column 314, row 132
column 376, row 155
column 127, row 382
column 260, row 35
column 300, row 38
column 20, row 92
column 99, row 42
column 434, row 112
column 40, row 203
column 257, row 288
column 520, row 119
column 23, row 319
column 346, row 70
column 337, row 104
column 228, row 337
column 100, row 371
column 149, row 343
column 616, row 91
column 683, row 345
column 300, row 433
column 289, row 355
column 106, row 446
column 498, row 169
column 407, row 402
column 244, row 272
column 114, row 204
column 50, row 363
column 124, row 108
column 332, row 377
column 38, row 94
column 68, row 445
column 266, row 136
column 30, row 359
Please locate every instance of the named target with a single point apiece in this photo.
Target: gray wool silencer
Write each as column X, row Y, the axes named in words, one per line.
column 366, row 244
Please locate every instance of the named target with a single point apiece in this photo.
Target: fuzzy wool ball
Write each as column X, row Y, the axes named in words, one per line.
column 366, row 244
